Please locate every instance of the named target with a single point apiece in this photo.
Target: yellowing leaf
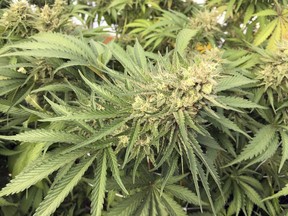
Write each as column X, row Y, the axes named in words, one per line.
column 265, row 33
column 268, row 12
column 275, row 37
column 248, row 14
column 284, row 27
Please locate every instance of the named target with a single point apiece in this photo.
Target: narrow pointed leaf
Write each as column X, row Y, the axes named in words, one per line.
column 57, row 194
column 183, row 38
column 284, row 137
column 113, row 163
column 42, row 135
column 99, row 186
column 257, row 145
column 39, row 170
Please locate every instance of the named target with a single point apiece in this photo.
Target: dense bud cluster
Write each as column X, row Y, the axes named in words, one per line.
column 18, row 17
column 59, row 4
column 50, row 18
column 275, row 76
column 274, row 73
column 205, row 20
column 183, row 88
column 23, row 19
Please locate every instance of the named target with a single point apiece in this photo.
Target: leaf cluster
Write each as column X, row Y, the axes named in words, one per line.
column 183, row 121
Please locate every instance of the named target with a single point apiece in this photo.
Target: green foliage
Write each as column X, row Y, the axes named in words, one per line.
column 180, row 115
column 64, row 185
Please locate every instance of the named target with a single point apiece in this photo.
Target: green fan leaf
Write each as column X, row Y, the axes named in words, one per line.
column 238, row 102
column 54, row 45
column 231, row 82
column 235, row 205
column 157, row 206
column 128, row 206
column 183, row 38
column 205, row 183
column 268, row 153
column 145, row 208
column 99, row 186
column 7, row 86
column 248, row 14
column 43, row 135
column 101, row 91
column 227, row 123
column 141, row 60
column 87, row 115
column 125, row 60
column 284, row 137
column 168, row 151
column 257, row 145
column 39, row 170
column 252, row 195
column 169, row 173
column 103, row 132
column 267, row 12
column 183, row 193
column 133, row 139
column 57, row 194
column 282, row 192
column 113, row 163
column 192, row 161
column 172, row 206
column 206, row 161
column 9, row 73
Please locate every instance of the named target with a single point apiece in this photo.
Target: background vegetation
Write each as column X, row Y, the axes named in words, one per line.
column 175, row 109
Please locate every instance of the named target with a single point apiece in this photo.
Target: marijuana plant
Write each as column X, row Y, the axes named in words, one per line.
column 154, row 114
column 186, row 120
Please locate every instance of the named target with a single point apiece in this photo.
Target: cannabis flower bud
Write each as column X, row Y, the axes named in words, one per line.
column 178, row 88
column 59, row 4
column 18, row 18
column 275, row 76
column 205, row 20
column 52, row 19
